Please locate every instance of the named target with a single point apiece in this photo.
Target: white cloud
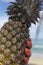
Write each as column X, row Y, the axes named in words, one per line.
column 41, row 12
column 3, row 20
column 8, row 0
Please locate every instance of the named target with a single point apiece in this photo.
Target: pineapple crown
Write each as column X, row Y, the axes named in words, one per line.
column 25, row 11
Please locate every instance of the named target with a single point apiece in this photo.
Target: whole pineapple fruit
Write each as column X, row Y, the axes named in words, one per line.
column 15, row 42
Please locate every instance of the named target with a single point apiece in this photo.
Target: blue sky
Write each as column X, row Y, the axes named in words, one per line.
column 4, row 18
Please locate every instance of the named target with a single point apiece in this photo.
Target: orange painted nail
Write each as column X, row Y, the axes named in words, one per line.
column 27, row 51
column 29, row 44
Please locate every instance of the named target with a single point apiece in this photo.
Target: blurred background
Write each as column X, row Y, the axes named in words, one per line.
column 36, row 31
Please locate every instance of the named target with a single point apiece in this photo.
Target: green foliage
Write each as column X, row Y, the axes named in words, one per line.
column 25, row 10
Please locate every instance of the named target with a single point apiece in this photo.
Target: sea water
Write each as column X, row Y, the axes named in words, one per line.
column 37, row 46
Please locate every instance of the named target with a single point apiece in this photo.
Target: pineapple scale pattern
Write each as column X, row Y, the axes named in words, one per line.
column 13, row 47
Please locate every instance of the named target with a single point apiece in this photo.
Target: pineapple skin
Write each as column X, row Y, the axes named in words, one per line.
column 13, row 37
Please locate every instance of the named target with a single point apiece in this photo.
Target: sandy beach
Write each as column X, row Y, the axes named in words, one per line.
column 36, row 59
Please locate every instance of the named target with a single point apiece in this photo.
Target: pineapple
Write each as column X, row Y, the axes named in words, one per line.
column 15, row 42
